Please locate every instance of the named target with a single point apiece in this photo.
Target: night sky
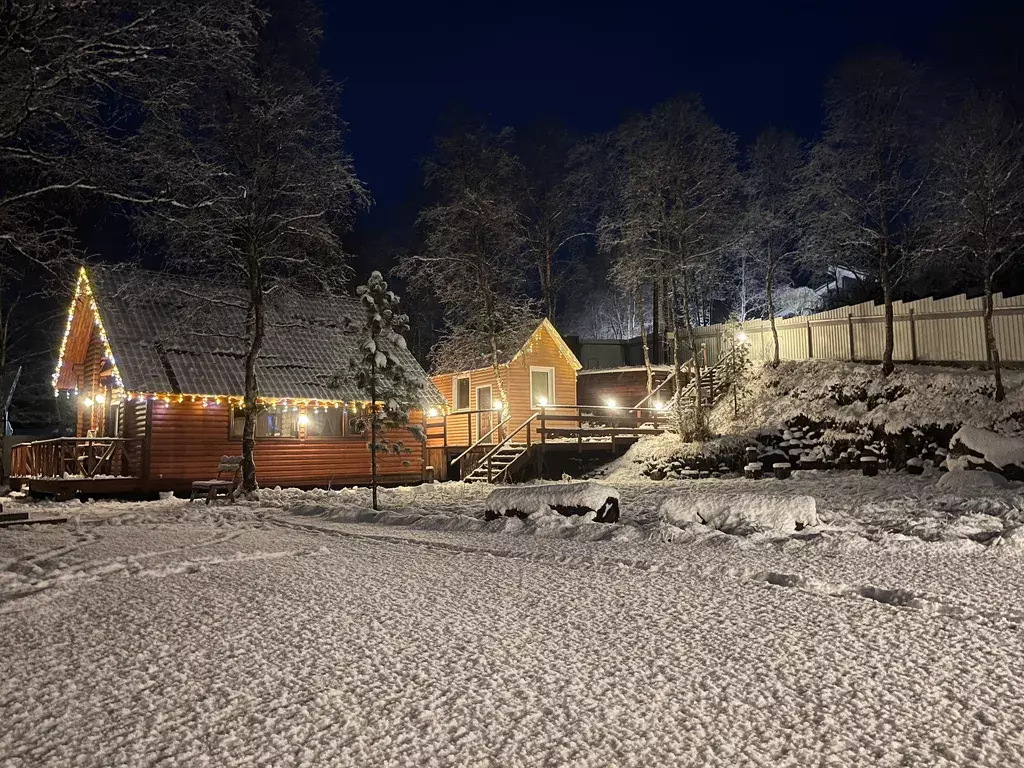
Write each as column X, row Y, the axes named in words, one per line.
column 405, row 65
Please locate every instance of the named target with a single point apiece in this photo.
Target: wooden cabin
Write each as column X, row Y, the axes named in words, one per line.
column 541, row 372
column 154, row 363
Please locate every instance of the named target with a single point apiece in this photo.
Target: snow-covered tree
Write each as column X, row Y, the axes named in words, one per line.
column 979, row 199
column 392, row 389
column 773, row 186
column 868, row 173
column 263, row 191
column 670, row 214
column 474, row 259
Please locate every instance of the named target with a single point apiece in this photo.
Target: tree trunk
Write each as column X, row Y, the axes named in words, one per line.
column 990, row 341
column 655, row 325
column 770, row 295
column 642, row 307
column 698, row 400
column 373, row 432
column 677, row 371
column 887, row 365
column 256, row 330
column 549, row 298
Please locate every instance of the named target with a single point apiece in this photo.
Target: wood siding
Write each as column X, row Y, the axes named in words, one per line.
column 188, row 440
column 540, row 351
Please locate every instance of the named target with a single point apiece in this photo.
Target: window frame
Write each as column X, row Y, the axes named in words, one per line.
column 231, row 427
column 345, row 434
column 456, row 378
column 550, row 370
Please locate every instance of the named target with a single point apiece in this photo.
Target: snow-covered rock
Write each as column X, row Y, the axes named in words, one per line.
column 566, row 498
column 970, row 481
column 1006, row 454
column 740, row 512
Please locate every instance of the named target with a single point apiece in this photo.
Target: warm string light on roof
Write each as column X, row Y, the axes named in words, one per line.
column 81, row 286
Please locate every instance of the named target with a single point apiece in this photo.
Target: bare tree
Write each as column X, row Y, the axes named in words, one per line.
column 868, row 174
column 979, row 195
column 773, row 184
column 474, row 259
column 669, row 218
column 552, row 208
column 259, row 183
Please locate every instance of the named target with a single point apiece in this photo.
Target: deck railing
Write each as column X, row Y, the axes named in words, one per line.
column 89, row 457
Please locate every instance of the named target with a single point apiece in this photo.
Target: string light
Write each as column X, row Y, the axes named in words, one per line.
column 82, row 286
column 84, row 293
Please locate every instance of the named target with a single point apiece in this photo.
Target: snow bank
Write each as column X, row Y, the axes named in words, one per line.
column 851, row 397
column 540, row 498
column 997, row 450
column 967, row 481
column 735, row 512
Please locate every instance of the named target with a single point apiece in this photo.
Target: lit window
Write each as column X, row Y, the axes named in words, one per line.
column 269, row 423
column 327, row 422
column 462, row 393
column 542, row 386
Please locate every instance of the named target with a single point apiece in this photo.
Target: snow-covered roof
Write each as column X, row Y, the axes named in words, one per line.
column 180, row 335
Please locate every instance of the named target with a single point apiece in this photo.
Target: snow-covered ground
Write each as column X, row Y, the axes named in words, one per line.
column 309, row 630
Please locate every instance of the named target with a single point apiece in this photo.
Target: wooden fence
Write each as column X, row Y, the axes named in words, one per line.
column 949, row 330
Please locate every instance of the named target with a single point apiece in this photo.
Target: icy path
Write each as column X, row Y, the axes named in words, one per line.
column 299, row 641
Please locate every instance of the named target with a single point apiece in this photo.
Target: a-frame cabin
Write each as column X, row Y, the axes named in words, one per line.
column 154, row 364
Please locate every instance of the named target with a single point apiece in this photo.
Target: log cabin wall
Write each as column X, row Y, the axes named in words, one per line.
column 541, row 351
column 91, row 417
column 626, row 387
column 188, row 440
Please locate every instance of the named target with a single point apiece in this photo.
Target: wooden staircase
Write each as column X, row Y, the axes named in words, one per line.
column 499, row 464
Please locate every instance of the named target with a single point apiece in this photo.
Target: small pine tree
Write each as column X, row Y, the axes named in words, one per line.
column 378, row 371
column 738, row 365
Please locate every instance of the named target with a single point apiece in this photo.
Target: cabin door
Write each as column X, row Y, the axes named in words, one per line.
column 485, row 413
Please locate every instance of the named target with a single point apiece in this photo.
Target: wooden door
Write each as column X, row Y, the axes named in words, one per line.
column 485, row 415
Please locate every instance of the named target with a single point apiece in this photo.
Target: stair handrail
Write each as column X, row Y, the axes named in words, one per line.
column 688, row 364
column 707, row 369
column 480, row 439
column 512, row 434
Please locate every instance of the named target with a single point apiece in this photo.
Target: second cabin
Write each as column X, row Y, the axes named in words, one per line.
column 538, row 373
column 481, row 437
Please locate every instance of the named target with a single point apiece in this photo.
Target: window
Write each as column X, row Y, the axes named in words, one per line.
column 542, row 386
column 269, row 423
column 461, row 388
column 325, row 422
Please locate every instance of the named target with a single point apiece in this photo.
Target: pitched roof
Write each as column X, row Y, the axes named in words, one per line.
column 180, row 335
column 513, row 344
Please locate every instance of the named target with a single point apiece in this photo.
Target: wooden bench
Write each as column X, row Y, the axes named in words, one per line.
column 228, row 470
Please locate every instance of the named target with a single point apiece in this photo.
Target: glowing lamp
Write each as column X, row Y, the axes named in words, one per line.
column 100, row 398
column 497, row 405
column 542, row 401
column 741, row 338
column 87, row 402
column 610, row 402
column 432, row 412
column 658, row 406
column 303, row 419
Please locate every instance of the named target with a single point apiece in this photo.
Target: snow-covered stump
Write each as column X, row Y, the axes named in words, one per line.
column 869, row 466
column 753, row 471
column 783, row 470
column 563, row 498
column 740, row 512
column 915, row 466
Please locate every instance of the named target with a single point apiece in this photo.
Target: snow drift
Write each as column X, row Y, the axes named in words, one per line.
column 740, row 512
